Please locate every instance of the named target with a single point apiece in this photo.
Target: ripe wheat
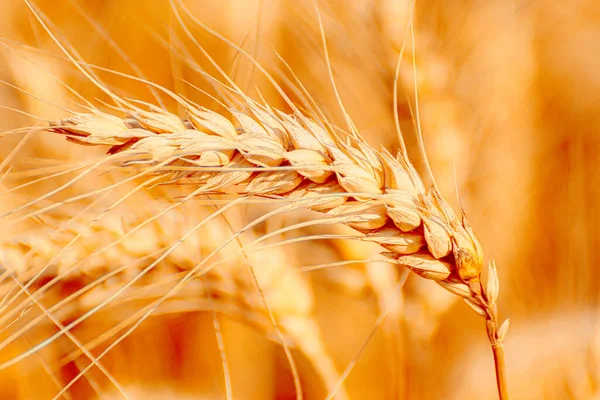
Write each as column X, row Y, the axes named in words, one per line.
column 293, row 158
column 304, row 162
column 84, row 256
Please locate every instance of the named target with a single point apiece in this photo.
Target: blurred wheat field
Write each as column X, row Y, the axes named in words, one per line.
column 509, row 96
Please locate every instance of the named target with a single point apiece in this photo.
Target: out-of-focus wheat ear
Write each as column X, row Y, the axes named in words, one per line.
column 288, row 296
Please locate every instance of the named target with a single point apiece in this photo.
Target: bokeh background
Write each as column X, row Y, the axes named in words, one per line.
column 509, row 96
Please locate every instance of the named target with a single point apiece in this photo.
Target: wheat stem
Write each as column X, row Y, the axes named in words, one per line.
column 499, row 364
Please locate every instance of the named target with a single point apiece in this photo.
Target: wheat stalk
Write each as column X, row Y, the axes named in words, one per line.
column 293, row 158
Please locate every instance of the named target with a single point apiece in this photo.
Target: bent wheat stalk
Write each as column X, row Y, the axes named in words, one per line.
column 271, row 154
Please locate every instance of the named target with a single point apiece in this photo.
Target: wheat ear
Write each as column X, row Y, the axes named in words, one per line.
column 134, row 238
column 294, row 158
